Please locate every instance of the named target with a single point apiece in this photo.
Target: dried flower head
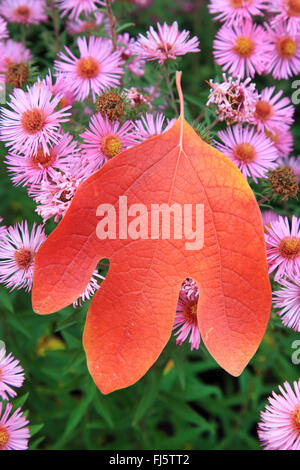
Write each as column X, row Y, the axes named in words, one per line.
column 284, row 182
column 111, row 104
column 17, row 75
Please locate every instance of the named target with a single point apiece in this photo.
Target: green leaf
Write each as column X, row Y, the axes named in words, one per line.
column 76, row 417
column 6, row 301
column 102, row 409
column 150, row 393
column 35, row 428
column 20, row 401
column 124, row 26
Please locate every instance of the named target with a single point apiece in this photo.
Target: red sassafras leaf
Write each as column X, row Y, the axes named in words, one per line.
column 130, row 318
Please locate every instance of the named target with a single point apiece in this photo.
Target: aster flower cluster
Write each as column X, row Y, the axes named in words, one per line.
column 279, row 428
column 244, row 48
column 39, row 122
column 260, row 141
column 14, row 431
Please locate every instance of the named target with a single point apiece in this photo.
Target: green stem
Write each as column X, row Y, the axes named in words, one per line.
column 23, row 34
column 170, row 90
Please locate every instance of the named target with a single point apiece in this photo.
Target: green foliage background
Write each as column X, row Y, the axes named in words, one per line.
column 188, row 403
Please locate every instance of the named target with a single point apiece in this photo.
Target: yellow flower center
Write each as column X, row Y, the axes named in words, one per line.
column 243, row 46
column 190, row 313
column 88, row 67
column 273, row 137
column 4, row 437
column 23, row 258
column 33, row 121
column 296, row 419
column 63, row 102
column 22, row 12
column 240, row 3
column 111, row 145
column 286, row 47
column 89, row 26
column 289, row 247
column 41, row 159
column 245, row 153
column 293, row 7
column 263, row 110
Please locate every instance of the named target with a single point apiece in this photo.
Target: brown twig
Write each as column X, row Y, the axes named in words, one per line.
column 55, row 26
column 209, row 128
column 262, row 200
column 112, row 22
column 156, row 86
column 201, row 115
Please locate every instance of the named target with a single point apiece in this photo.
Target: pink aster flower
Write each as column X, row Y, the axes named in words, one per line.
column 279, row 428
column 240, row 48
column 104, row 140
column 283, row 248
column 186, row 315
column 54, row 196
column 12, row 53
column 92, row 287
column 142, row 3
column 38, row 167
column 98, row 67
column 3, row 29
column 284, row 54
column 283, row 140
column 271, row 112
column 287, row 10
column 234, row 100
column 236, row 10
column 61, row 87
column 12, row 374
column 287, row 299
column 88, row 25
column 150, row 125
column 126, row 47
column 14, row 432
column 254, row 154
column 75, row 7
column 2, row 229
column 17, row 253
column 24, row 11
column 269, row 216
column 32, row 121
column 167, row 43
